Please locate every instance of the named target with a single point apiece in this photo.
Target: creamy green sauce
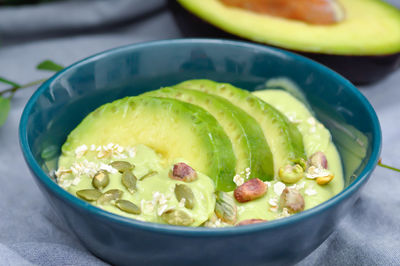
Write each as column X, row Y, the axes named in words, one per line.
column 155, row 193
column 316, row 138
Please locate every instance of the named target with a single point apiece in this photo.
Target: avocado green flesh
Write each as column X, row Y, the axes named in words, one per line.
column 249, row 145
column 150, row 190
column 172, row 128
column 283, row 138
column 370, row 27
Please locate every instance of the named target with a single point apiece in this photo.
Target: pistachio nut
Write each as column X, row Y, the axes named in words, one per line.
column 292, row 200
column 250, row 190
column 251, row 221
column 183, row 172
column 318, row 160
column 291, row 173
column 323, row 180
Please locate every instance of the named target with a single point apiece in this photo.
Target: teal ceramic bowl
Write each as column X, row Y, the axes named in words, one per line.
column 65, row 99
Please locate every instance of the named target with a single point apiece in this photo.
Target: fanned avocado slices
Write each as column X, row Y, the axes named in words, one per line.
column 249, row 145
column 174, row 129
column 283, row 138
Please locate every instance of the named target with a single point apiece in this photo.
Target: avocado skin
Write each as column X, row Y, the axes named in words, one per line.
column 360, row 70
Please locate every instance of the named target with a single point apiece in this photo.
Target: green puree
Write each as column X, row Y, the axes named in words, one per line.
column 155, row 193
column 316, row 138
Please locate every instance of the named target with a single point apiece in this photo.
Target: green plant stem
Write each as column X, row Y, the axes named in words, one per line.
column 387, row 166
column 13, row 90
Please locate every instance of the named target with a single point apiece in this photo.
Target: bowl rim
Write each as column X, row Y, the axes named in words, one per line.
column 68, row 198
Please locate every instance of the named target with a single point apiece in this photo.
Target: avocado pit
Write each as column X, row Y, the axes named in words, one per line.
column 310, row 11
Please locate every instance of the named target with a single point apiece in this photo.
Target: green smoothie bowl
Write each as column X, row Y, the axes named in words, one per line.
column 247, row 155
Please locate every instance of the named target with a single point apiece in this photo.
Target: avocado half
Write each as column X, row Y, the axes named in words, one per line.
column 364, row 47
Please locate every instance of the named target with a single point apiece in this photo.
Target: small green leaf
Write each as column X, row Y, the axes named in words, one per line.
column 49, row 66
column 4, row 109
column 6, row 81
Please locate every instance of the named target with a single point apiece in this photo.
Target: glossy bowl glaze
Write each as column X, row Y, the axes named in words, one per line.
column 64, row 100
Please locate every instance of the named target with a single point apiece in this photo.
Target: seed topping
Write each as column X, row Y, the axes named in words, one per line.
column 251, row 221
column 225, row 207
column 100, row 179
column 183, row 172
column 292, row 200
column 250, row 190
column 184, row 192
column 89, row 194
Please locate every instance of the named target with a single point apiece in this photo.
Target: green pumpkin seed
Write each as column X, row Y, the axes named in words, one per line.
column 127, row 206
column 151, row 173
column 225, row 207
column 129, row 181
column 183, row 191
column 49, row 152
column 177, row 217
column 100, row 180
column 122, row 166
column 89, row 194
column 109, row 196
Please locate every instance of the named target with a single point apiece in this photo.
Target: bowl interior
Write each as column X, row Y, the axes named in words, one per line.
column 62, row 102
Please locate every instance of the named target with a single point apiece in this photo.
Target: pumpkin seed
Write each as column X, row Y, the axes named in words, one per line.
column 122, row 166
column 49, row 152
column 225, row 207
column 177, row 217
column 109, row 196
column 100, row 180
column 151, row 173
column 127, row 206
column 183, row 191
column 129, row 181
column 89, row 194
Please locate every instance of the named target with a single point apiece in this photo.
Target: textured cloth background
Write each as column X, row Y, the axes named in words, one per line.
column 30, row 234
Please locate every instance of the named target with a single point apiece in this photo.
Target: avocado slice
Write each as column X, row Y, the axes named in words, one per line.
column 175, row 129
column 248, row 141
column 283, row 138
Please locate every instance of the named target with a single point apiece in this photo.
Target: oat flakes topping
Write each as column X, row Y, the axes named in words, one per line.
column 279, row 187
column 310, row 191
column 81, row 151
column 238, row 180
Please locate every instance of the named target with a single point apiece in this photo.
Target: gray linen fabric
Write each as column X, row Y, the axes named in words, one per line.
column 30, row 233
